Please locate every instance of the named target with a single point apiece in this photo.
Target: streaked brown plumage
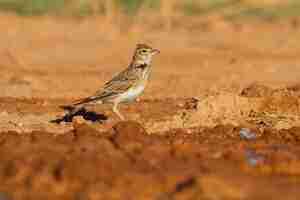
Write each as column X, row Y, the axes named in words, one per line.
column 125, row 86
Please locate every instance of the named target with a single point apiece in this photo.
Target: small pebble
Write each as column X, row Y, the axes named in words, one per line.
column 245, row 133
column 189, row 131
column 252, row 157
column 181, row 105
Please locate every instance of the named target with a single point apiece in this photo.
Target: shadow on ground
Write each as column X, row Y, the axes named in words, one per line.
column 87, row 115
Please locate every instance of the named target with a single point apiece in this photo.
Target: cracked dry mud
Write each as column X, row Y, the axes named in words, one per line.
column 180, row 141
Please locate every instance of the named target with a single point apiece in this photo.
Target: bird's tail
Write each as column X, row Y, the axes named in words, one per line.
column 75, row 106
column 87, row 100
column 78, row 105
column 71, row 111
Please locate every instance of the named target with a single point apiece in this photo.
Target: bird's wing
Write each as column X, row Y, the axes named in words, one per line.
column 121, row 82
column 117, row 85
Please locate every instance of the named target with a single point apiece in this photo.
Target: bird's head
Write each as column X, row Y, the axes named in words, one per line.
column 143, row 54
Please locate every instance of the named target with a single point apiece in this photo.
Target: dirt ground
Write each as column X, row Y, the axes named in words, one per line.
column 220, row 118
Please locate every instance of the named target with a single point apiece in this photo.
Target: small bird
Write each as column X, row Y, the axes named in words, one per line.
column 125, row 86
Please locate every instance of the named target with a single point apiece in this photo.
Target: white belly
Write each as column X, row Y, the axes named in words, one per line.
column 132, row 93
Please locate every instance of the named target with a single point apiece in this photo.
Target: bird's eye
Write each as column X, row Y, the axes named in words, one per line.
column 144, row 51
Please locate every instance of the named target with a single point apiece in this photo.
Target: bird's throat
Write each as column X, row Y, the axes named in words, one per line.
column 142, row 66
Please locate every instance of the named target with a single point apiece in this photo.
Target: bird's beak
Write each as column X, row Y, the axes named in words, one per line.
column 155, row 51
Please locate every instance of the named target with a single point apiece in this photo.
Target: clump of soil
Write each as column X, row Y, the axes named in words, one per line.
column 126, row 162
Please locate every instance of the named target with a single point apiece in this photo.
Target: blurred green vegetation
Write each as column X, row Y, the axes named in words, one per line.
column 289, row 9
column 191, row 7
column 232, row 9
column 132, row 6
column 32, row 7
column 228, row 8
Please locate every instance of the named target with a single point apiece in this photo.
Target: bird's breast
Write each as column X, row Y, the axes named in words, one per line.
column 138, row 87
column 132, row 93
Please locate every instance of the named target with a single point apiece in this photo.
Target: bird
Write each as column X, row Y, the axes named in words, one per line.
column 126, row 86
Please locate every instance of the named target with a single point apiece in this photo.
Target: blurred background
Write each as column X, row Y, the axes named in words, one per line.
column 168, row 13
column 205, row 44
column 159, row 14
column 167, row 10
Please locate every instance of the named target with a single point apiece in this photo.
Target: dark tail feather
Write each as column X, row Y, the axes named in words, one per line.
column 74, row 109
column 76, row 106
column 71, row 111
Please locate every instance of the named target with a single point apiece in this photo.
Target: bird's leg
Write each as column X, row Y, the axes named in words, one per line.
column 116, row 111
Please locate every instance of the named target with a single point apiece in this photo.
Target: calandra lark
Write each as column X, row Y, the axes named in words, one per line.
column 125, row 86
